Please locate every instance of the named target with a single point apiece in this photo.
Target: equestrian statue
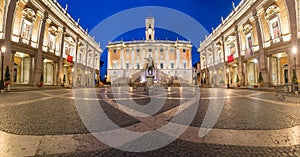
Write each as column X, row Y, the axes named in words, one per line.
column 150, row 65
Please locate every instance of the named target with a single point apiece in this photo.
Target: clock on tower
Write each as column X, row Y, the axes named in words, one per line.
column 149, row 28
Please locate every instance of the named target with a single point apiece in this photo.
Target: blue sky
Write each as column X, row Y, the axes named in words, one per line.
column 93, row 12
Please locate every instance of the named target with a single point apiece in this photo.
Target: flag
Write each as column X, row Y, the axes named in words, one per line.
column 70, row 59
column 230, row 58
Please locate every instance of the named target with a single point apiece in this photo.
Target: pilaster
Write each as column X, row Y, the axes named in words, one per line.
column 38, row 56
column 240, row 59
column 8, row 32
column 291, row 8
column 262, row 56
column 60, row 60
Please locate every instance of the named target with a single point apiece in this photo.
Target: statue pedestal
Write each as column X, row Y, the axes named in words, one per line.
column 150, row 81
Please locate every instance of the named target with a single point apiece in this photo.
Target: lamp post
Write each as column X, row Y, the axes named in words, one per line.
column 3, row 49
column 255, row 69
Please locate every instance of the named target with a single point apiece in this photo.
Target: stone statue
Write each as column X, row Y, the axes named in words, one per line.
column 150, row 65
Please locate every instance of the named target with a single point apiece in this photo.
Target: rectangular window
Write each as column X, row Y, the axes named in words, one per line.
column 137, row 50
column 161, row 50
column 161, row 55
column 127, row 66
column 249, row 43
column 26, row 29
column 138, row 66
column 79, row 57
column 184, row 50
column 161, row 65
column 115, row 51
column 67, row 48
column 232, row 49
column 276, row 33
column 172, row 65
column 150, row 50
column 51, row 41
column 72, row 50
column 184, row 65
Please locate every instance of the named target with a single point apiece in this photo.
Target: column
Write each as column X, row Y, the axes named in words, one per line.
column 8, row 31
column 245, row 65
column 156, row 63
column 60, row 72
column 85, row 67
column 55, row 73
column 227, row 80
column 93, row 69
column 122, row 58
column 38, row 56
column 45, row 73
column 240, row 60
column 143, row 57
column 262, row 57
column 278, row 71
column 132, row 58
column 22, row 70
column 31, row 71
column 167, row 59
column 271, row 69
column 75, row 67
column 290, row 4
column 177, row 58
column 12, row 61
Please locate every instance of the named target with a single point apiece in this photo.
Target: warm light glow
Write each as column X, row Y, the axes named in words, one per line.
column 227, row 70
column 255, row 61
column 72, row 69
column 3, row 49
column 294, row 50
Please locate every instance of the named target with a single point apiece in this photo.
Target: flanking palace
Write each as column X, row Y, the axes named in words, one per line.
column 128, row 59
column 258, row 42
column 42, row 42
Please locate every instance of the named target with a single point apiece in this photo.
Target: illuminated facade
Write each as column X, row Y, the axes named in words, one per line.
column 258, row 37
column 42, row 40
column 171, row 58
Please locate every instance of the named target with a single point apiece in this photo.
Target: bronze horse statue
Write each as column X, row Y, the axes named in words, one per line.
column 150, row 65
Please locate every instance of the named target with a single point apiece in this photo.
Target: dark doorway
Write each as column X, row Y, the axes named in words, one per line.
column 286, row 76
column 15, row 74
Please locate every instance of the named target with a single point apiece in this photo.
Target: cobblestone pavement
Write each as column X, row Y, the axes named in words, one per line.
column 52, row 112
column 181, row 148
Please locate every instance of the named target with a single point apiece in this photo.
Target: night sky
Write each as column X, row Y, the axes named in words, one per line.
column 93, row 12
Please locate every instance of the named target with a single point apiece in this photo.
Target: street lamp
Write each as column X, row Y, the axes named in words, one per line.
column 255, row 69
column 3, row 49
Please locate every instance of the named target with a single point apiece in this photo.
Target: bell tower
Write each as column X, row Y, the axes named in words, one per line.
column 149, row 29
